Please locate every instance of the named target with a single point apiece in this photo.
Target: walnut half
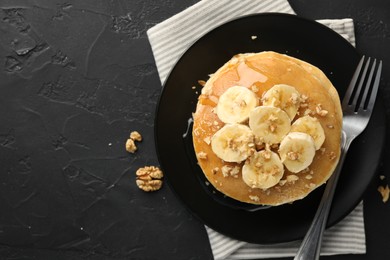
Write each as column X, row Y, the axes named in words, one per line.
column 149, row 178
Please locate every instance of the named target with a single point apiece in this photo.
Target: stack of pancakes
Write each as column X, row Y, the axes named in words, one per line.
column 259, row 72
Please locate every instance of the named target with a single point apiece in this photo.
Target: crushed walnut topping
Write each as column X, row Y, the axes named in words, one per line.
column 330, row 126
column 320, row 111
column 234, row 172
column 259, row 143
column 310, row 186
column 149, row 178
column 305, row 170
column 266, row 155
column 228, row 170
column 202, row 155
column 254, row 198
column 207, row 140
column 309, row 177
column 225, row 170
column 303, row 98
column 385, row 192
column 308, row 112
column 322, row 150
column 282, row 182
column 323, row 112
column 293, row 156
column 215, row 170
column 332, row 155
column 294, row 99
column 130, row 146
column 254, row 88
column 292, row 178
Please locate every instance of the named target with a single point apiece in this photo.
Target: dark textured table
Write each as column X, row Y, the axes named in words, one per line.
column 75, row 78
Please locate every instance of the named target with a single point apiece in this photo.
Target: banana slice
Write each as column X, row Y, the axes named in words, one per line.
column 284, row 97
column 233, row 142
column 310, row 125
column 235, row 104
column 269, row 124
column 262, row 170
column 297, row 151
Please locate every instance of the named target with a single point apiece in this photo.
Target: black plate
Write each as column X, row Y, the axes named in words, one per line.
column 297, row 37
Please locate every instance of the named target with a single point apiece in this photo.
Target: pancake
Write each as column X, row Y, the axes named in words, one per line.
column 259, row 72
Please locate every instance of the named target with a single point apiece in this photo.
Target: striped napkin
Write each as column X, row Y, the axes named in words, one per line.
column 171, row 38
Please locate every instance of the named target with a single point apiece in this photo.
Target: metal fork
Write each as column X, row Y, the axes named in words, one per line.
column 357, row 105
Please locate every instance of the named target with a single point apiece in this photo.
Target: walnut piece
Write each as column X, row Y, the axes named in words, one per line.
column 130, row 146
column 136, row 136
column 149, row 178
column 254, row 198
column 385, row 192
column 332, row 155
column 230, row 170
column 202, row 155
column 293, row 156
column 292, row 178
column 207, row 140
column 303, row 98
column 320, row 111
column 202, row 82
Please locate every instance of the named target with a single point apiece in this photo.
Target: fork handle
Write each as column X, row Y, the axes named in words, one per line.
column 311, row 244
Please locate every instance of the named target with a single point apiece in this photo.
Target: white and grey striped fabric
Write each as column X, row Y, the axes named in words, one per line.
column 171, row 38
column 347, row 237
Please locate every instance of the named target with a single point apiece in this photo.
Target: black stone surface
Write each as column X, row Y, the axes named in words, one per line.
column 75, row 78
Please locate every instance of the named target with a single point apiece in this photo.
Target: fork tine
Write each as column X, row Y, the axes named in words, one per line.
column 366, row 88
column 352, row 84
column 359, row 87
column 375, row 87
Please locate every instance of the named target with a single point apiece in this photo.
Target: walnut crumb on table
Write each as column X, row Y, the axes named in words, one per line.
column 130, row 143
column 130, row 146
column 149, row 178
column 136, row 136
column 385, row 192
